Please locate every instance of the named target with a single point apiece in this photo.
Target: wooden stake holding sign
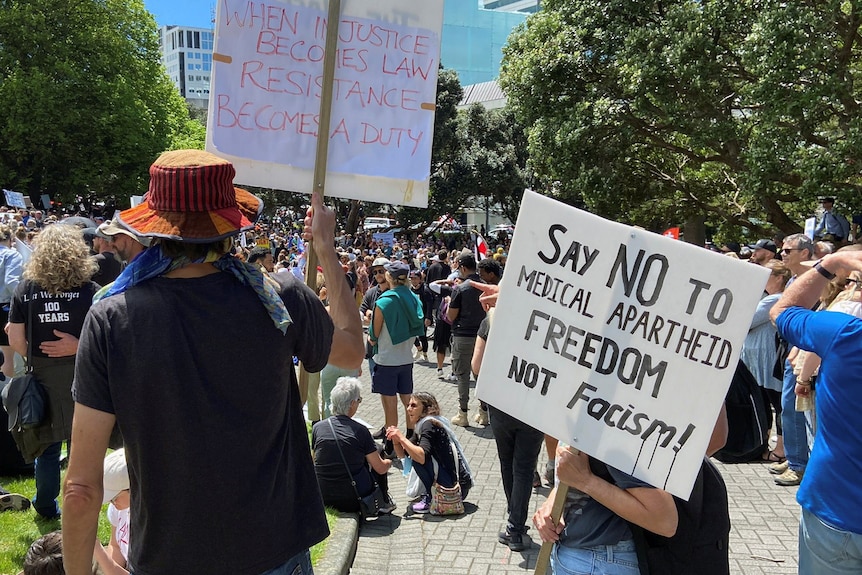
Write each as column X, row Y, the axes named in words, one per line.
column 333, row 18
column 544, row 558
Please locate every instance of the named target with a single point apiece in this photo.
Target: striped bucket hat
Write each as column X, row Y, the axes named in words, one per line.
column 191, row 198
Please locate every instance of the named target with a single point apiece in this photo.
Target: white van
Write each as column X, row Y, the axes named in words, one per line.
column 375, row 223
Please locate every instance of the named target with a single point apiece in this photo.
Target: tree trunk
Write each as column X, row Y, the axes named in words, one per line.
column 694, row 230
column 353, row 217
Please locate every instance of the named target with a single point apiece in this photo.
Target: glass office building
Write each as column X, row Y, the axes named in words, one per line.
column 473, row 39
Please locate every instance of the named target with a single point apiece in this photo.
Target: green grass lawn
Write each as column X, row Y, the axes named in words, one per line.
column 18, row 530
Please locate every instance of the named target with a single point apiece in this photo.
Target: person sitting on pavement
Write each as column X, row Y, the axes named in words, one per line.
column 430, row 447
column 367, row 468
column 45, row 557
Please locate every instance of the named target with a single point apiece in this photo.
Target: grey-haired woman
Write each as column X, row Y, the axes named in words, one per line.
column 361, row 453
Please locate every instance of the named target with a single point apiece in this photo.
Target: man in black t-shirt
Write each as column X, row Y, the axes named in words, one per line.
column 200, row 426
column 466, row 314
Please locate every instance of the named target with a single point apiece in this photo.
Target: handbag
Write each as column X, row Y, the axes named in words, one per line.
column 371, row 504
column 24, row 398
column 447, row 500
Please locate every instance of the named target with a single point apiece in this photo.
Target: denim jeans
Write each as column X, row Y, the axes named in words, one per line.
column 518, row 447
column 48, row 481
column 299, row 564
column 462, row 356
column 793, row 423
column 827, row 550
column 425, row 472
column 619, row 559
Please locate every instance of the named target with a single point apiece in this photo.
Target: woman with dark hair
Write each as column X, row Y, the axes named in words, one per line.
column 45, row 321
column 432, row 441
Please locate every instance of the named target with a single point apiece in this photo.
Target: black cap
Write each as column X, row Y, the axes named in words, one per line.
column 764, row 245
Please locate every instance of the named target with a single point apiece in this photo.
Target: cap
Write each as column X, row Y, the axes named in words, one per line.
column 379, row 262
column 109, row 229
column 764, row 244
column 397, row 269
column 116, row 475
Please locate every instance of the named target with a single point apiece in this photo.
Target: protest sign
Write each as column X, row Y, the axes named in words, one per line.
column 617, row 341
column 266, row 87
column 384, row 238
column 14, row 199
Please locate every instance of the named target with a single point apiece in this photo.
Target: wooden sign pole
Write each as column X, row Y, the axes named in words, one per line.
column 332, row 23
column 544, row 558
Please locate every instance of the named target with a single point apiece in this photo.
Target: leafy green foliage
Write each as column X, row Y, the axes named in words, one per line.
column 653, row 112
column 86, row 103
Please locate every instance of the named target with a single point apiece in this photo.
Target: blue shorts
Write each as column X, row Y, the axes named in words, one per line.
column 392, row 379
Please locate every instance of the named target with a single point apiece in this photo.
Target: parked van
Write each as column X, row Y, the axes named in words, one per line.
column 375, row 223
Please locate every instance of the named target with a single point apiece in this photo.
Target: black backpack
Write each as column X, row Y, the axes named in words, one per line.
column 746, row 420
column 700, row 545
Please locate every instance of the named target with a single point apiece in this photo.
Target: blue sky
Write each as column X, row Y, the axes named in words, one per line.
column 182, row 12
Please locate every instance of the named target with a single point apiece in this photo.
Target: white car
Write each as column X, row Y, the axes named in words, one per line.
column 375, row 223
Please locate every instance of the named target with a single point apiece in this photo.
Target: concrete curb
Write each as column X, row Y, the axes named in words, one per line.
column 340, row 547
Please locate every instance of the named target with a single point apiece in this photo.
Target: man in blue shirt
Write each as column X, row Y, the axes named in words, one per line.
column 830, row 530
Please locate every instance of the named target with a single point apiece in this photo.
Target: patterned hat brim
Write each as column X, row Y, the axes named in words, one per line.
column 194, row 227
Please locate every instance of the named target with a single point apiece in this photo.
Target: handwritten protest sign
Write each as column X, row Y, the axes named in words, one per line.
column 14, row 199
column 616, row 340
column 266, row 88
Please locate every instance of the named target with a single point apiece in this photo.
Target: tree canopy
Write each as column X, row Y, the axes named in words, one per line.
column 86, row 103
column 651, row 112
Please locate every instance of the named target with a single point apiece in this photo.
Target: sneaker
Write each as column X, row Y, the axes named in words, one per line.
column 14, row 502
column 415, row 353
column 425, row 357
column 790, row 477
column 515, row 540
column 779, row 468
column 481, row 417
column 422, row 506
column 452, row 377
column 440, row 374
column 388, row 507
column 549, row 472
column 380, row 434
column 461, row 419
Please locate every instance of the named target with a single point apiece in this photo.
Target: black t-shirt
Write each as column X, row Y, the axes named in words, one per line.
column 465, row 298
column 356, row 442
column 434, row 441
column 109, row 268
column 205, row 393
column 64, row 311
column 437, row 271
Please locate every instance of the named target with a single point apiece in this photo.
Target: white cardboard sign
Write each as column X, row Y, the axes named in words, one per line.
column 266, row 85
column 617, row 341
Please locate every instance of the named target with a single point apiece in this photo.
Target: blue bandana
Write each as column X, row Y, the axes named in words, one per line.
column 152, row 263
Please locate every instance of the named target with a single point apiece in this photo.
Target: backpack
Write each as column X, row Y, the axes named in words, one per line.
column 747, row 435
column 700, row 545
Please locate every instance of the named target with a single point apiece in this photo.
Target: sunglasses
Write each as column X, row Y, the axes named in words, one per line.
column 849, row 281
column 788, row 250
column 376, row 272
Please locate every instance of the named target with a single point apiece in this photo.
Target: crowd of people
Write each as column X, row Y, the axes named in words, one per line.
column 125, row 325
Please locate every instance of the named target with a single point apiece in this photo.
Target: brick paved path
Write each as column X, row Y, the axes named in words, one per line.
column 764, row 516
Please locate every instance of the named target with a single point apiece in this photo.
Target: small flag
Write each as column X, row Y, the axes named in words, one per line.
column 481, row 248
column 671, row 233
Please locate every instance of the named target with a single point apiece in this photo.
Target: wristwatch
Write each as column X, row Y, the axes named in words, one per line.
column 823, row 271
